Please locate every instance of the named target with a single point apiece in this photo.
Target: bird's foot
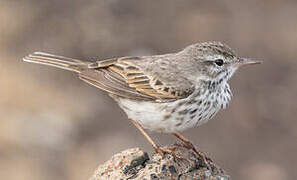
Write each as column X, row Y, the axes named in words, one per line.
column 189, row 145
column 167, row 150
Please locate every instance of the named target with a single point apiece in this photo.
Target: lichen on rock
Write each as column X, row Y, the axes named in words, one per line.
column 136, row 164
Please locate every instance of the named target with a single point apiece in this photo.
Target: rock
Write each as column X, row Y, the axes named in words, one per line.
column 136, row 164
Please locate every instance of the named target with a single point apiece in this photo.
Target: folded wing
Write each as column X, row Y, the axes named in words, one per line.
column 122, row 75
column 118, row 76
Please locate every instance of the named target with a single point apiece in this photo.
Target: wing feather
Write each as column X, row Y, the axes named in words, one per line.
column 124, row 72
column 101, row 79
column 119, row 76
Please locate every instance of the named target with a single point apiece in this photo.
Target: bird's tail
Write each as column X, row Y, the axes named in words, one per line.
column 57, row 61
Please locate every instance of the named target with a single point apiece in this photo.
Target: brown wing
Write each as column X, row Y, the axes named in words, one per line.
column 102, row 79
column 123, row 78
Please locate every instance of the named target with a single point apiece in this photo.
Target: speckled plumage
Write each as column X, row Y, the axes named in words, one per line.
column 181, row 114
column 164, row 93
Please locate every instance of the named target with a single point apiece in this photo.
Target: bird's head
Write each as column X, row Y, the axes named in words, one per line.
column 216, row 61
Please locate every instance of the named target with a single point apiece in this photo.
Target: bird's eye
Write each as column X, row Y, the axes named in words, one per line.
column 219, row 62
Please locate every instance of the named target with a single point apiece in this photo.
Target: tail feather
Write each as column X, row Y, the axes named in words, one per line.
column 56, row 61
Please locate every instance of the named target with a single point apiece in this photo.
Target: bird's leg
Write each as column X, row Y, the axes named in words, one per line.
column 156, row 147
column 187, row 143
column 140, row 128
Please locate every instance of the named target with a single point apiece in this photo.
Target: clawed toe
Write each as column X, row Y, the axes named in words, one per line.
column 189, row 145
column 165, row 150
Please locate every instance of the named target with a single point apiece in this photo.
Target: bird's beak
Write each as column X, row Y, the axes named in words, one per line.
column 246, row 61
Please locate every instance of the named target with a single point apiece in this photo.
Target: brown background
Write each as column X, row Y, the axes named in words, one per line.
column 53, row 126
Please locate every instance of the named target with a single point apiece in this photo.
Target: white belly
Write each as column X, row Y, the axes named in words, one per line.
column 146, row 113
column 175, row 116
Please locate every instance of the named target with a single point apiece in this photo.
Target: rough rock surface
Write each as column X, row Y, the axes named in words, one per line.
column 136, row 164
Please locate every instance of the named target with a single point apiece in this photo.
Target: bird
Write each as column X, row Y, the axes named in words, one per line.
column 166, row 93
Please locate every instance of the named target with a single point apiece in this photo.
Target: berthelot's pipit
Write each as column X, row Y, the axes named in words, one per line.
column 165, row 93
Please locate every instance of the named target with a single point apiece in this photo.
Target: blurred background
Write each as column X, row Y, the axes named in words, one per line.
column 54, row 126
